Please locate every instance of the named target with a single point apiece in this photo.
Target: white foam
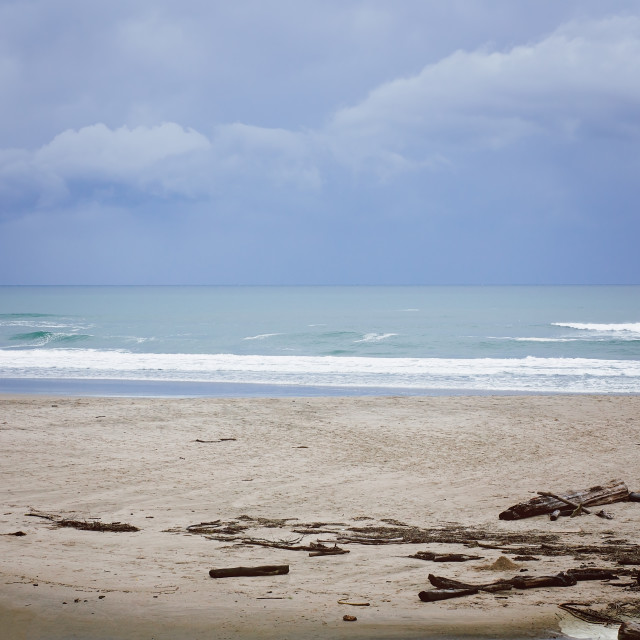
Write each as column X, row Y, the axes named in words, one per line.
column 575, row 375
column 632, row 329
column 262, row 336
column 544, row 339
column 375, row 337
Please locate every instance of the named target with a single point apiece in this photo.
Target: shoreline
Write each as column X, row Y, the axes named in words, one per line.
column 117, row 388
column 164, row 464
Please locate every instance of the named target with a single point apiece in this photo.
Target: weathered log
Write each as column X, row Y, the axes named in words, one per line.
column 519, row 582
column 446, row 583
column 578, row 508
column 614, row 491
column 592, row 574
column 445, row 594
column 554, row 515
column 322, row 550
column 444, row 557
column 235, row 572
column 534, row 582
column 629, row 631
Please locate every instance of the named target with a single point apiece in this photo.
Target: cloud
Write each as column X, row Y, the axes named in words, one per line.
column 97, row 150
column 577, row 83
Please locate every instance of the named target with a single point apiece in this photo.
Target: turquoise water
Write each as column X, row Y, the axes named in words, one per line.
column 341, row 339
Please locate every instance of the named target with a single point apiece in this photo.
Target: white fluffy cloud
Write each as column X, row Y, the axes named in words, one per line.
column 580, row 79
column 99, row 150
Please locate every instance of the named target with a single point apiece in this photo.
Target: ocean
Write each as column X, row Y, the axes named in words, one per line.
column 275, row 341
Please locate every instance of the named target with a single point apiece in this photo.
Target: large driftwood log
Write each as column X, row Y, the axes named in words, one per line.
column 447, row 588
column 561, row 579
column 235, row 572
column 446, row 583
column 592, row 574
column 614, row 491
column 629, row 631
column 445, row 594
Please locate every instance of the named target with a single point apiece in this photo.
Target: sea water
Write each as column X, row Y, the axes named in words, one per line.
column 328, row 340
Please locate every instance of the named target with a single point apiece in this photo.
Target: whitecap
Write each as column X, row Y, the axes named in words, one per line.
column 262, row 336
column 375, row 337
column 628, row 328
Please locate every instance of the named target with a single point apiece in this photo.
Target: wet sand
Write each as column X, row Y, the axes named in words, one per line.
column 428, row 462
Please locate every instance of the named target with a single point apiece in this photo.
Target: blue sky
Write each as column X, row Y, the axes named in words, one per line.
column 319, row 142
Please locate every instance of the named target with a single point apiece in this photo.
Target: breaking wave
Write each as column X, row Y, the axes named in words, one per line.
column 530, row 374
column 375, row 337
column 631, row 329
column 41, row 338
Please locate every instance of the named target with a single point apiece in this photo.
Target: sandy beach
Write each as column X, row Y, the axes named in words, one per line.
column 269, row 469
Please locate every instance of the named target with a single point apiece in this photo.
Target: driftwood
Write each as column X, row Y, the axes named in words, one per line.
column 561, row 579
column 361, row 540
column 614, row 491
column 85, row 525
column 445, row 594
column 319, row 549
column 444, row 557
column 236, row 572
column 584, row 612
column 592, row 574
column 446, row 583
column 578, row 508
column 564, row 579
column 314, row 548
column 446, row 586
column 629, row 631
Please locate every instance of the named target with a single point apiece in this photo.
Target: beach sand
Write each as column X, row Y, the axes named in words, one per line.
column 429, row 462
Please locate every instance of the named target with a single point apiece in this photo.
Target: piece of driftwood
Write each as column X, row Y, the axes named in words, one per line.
column 586, row 613
column 444, row 557
column 85, row 525
column 629, row 631
column 314, row 548
column 440, row 582
column 592, row 574
column 578, row 508
column 319, row 549
column 613, row 491
column 237, row 572
column 519, row 582
column 445, row 594
column 561, row 579
column 361, row 540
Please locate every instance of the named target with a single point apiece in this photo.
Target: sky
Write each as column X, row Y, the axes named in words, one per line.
column 277, row 142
